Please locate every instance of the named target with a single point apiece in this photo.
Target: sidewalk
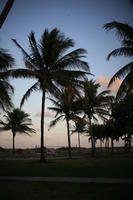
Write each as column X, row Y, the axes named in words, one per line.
column 69, row 179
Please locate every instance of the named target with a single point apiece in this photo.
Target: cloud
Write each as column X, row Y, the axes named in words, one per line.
column 47, row 114
column 104, row 83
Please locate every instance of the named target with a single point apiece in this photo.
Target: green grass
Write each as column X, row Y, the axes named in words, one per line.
column 65, row 191
column 116, row 166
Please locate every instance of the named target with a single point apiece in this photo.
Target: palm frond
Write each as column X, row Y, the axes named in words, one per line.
column 54, row 100
column 103, row 93
column 6, row 60
column 55, row 109
column 73, row 59
column 26, row 55
column 6, row 91
column 125, row 87
column 5, row 86
column 55, row 121
column 28, row 93
column 35, row 54
column 126, row 51
column 2, row 123
column 66, row 76
column 127, row 43
column 25, row 129
column 121, row 73
column 22, row 73
column 4, row 75
column 122, row 29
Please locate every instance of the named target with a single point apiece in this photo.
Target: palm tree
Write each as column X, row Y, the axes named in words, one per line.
column 6, row 90
column 125, row 31
column 48, row 64
column 122, row 114
column 18, row 122
column 94, row 105
column 63, row 103
column 79, row 127
column 105, row 131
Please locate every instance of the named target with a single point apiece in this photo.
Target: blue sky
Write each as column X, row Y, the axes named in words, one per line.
column 81, row 20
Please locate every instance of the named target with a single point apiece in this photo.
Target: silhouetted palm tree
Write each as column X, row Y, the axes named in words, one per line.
column 18, row 122
column 125, row 32
column 122, row 113
column 6, row 90
column 79, row 127
column 104, row 132
column 63, row 103
column 51, row 67
column 94, row 105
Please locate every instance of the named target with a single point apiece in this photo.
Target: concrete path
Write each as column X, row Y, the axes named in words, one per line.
column 68, row 179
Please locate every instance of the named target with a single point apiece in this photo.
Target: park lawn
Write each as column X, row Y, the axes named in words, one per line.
column 113, row 166
column 58, row 191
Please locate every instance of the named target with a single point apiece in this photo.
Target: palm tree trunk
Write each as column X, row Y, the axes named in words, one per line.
column 5, row 11
column 68, row 135
column 112, row 145
column 13, row 144
column 42, row 156
column 130, row 141
column 92, row 139
column 101, row 144
column 125, row 144
column 79, row 140
column 107, row 144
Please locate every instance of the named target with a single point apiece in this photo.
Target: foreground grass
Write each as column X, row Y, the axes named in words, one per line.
column 65, row 191
column 116, row 166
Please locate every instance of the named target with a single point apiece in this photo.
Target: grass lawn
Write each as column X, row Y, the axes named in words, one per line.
column 63, row 191
column 115, row 166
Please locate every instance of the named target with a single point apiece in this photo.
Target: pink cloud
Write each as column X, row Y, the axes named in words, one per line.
column 104, row 83
column 47, row 114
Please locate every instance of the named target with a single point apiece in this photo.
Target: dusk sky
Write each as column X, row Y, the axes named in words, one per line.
column 81, row 20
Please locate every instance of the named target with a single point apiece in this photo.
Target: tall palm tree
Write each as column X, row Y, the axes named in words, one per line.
column 48, row 64
column 125, row 32
column 18, row 122
column 6, row 90
column 63, row 103
column 94, row 105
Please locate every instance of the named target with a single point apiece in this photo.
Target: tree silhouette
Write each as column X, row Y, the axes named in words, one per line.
column 94, row 105
column 79, row 127
column 48, row 64
column 18, row 122
column 125, row 32
column 63, row 103
column 6, row 90
column 123, row 119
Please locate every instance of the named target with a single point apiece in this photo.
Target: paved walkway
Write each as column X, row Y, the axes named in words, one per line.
column 68, row 179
